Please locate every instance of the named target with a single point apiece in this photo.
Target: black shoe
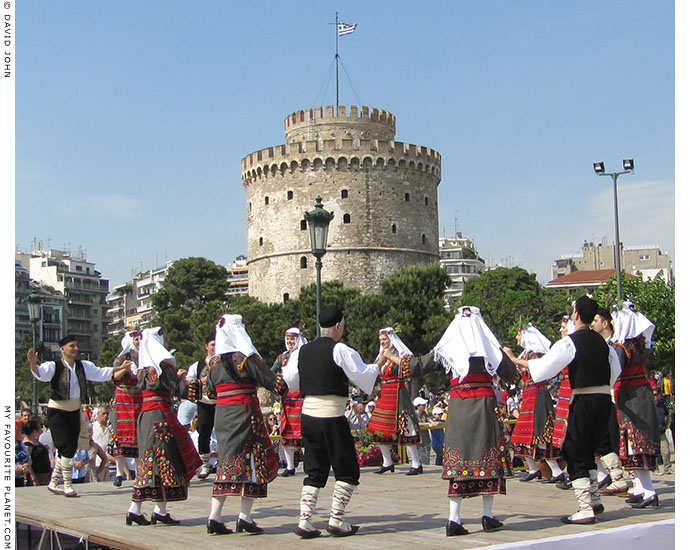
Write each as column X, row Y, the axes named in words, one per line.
column 598, row 509
column 565, row 484
column 167, row 519
column 533, row 475
column 338, row 532
column 583, row 521
column 605, row 482
column 288, row 473
column 217, row 528
column 490, row 524
column 139, row 519
column 307, row 534
column 242, row 525
column 118, row 481
column 384, row 469
column 634, row 499
column 651, row 501
column 454, row 529
column 558, row 479
column 415, row 471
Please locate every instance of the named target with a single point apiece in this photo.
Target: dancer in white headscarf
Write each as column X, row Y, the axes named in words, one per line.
column 291, row 414
column 128, row 402
column 167, row 457
column 532, row 434
column 640, row 446
column 246, row 460
column 475, row 457
column 394, row 420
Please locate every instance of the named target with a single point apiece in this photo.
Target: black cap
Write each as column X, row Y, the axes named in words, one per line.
column 605, row 314
column 587, row 308
column 66, row 340
column 329, row 316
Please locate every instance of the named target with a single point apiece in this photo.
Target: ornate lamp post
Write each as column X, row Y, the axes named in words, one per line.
column 628, row 168
column 33, row 301
column 318, row 220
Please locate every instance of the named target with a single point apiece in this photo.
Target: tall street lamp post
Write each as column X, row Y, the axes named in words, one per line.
column 628, row 168
column 318, row 220
column 33, row 301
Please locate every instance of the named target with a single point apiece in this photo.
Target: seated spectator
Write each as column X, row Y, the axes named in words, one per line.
column 356, row 415
column 438, row 435
column 22, row 465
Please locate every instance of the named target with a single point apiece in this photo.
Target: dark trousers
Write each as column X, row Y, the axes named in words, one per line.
column 206, row 414
column 328, row 443
column 64, row 428
column 612, row 442
column 588, row 430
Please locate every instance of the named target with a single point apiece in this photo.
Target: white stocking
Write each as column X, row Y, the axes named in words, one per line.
column 637, row 484
column 531, row 464
column 386, row 454
column 454, row 509
column 413, row 455
column 289, row 457
column 120, row 465
column 160, row 508
column 645, row 477
column 246, row 509
column 555, row 468
column 488, row 501
column 135, row 508
column 217, row 509
column 602, row 472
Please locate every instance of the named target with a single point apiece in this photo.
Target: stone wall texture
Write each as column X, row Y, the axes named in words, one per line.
column 383, row 194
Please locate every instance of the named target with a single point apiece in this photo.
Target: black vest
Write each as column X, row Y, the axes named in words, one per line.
column 201, row 368
column 59, row 383
column 318, row 373
column 591, row 364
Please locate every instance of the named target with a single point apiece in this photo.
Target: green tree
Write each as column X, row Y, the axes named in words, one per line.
column 23, row 379
column 505, row 295
column 656, row 300
column 190, row 300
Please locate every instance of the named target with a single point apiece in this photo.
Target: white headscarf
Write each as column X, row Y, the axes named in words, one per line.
column 127, row 343
column 152, row 352
column 300, row 340
column 569, row 324
column 396, row 342
column 630, row 323
column 468, row 336
column 232, row 336
column 531, row 339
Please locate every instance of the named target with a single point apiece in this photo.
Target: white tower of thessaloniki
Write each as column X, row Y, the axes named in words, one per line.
column 382, row 192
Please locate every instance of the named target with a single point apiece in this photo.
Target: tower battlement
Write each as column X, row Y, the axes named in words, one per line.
column 313, row 124
column 383, row 194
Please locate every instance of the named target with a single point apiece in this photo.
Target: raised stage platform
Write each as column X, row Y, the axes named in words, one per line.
column 394, row 511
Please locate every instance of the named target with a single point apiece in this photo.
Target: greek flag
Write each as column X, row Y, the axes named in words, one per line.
column 346, row 28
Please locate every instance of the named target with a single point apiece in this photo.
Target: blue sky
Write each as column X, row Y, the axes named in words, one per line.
column 132, row 117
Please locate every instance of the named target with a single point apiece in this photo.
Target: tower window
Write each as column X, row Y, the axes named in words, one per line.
column 261, row 241
column 286, row 297
column 426, row 201
column 303, row 225
column 423, row 238
column 266, row 200
column 303, row 262
column 407, row 197
column 289, row 195
column 343, row 194
column 346, row 218
column 395, row 229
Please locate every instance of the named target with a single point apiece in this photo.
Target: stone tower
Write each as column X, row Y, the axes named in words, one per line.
column 382, row 191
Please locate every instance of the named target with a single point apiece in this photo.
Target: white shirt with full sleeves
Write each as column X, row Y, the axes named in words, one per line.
column 560, row 356
column 93, row 373
column 357, row 371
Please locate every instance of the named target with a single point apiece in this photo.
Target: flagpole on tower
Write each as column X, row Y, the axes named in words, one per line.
column 337, row 58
